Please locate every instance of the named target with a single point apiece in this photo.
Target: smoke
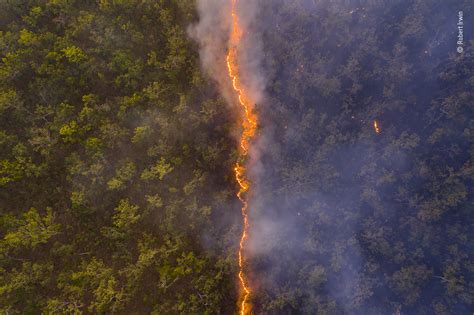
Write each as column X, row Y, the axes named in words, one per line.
column 230, row 46
column 212, row 33
column 329, row 194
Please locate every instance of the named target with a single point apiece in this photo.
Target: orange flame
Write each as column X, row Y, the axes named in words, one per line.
column 376, row 127
column 249, row 126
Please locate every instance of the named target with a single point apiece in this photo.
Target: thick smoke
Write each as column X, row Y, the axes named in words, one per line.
column 212, row 32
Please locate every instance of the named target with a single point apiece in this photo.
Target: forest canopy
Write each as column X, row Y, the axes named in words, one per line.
column 110, row 200
column 117, row 149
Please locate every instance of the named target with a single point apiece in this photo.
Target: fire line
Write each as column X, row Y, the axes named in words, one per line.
column 249, row 126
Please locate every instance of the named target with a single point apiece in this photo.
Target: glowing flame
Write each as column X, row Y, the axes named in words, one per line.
column 376, row 127
column 249, row 126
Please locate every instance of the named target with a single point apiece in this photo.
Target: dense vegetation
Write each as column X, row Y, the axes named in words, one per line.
column 116, row 187
column 114, row 159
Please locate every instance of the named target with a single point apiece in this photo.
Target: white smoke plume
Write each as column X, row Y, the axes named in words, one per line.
column 212, row 33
